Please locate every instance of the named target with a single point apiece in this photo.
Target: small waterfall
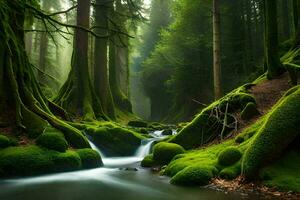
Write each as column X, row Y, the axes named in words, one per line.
column 145, row 148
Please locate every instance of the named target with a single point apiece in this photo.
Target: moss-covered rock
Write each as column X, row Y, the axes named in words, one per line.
column 208, row 124
column 32, row 160
column 89, row 158
column 143, row 131
column 229, row 156
column 53, row 139
column 279, row 129
column 116, row 141
column 138, row 124
column 63, row 162
column 231, row 172
column 167, row 132
column 194, row 175
column 5, row 141
column 148, row 161
column 249, row 111
column 164, row 152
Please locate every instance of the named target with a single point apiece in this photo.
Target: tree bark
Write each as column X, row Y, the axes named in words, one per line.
column 271, row 40
column 216, row 49
column 101, row 81
column 77, row 95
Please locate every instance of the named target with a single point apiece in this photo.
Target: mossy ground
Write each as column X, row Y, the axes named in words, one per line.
column 261, row 144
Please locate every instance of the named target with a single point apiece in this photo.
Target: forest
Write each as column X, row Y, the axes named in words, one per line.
column 149, row 99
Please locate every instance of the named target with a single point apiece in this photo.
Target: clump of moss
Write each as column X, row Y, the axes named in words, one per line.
column 279, row 129
column 194, row 175
column 33, row 123
column 249, row 111
column 5, row 141
column 53, row 139
column 209, row 123
column 231, row 172
column 63, row 162
column 250, row 131
column 167, row 132
column 143, row 131
column 284, row 174
column 229, row 156
column 116, row 141
column 138, row 124
column 32, row 160
column 89, row 158
column 164, row 152
column 148, row 161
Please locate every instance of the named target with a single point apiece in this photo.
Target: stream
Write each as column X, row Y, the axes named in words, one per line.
column 121, row 178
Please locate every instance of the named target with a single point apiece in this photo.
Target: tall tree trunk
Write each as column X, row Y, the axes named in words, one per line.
column 120, row 99
column 271, row 40
column 20, row 95
column 42, row 56
column 286, row 29
column 296, row 14
column 101, row 81
column 217, row 49
column 77, row 94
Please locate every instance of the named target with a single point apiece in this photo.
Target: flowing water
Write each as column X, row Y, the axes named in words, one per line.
column 121, row 178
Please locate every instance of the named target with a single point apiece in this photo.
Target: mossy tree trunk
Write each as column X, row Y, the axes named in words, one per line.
column 101, row 81
column 120, row 99
column 271, row 40
column 22, row 103
column 77, row 95
column 217, row 49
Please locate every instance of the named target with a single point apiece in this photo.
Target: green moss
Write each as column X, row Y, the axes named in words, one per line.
column 249, row 111
column 68, row 161
column 208, row 124
column 231, row 172
column 284, row 174
column 34, row 124
column 52, row 139
column 148, row 161
column 143, row 131
column 167, row 132
column 194, row 175
column 249, row 131
column 116, row 141
column 164, row 152
column 5, row 141
column 32, row 160
column 279, row 129
column 89, row 158
column 229, row 156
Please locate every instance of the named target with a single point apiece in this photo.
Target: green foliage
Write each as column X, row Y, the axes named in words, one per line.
column 284, row 174
column 52, row 139
column 164, row 152
column 148, row 161
column 208, row 125
column 32, row 160
column 115, row 141
column 277, row 132
column 89, row 158
column 249, row 111
column 194, row 175
column 229, row 156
